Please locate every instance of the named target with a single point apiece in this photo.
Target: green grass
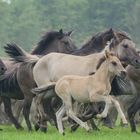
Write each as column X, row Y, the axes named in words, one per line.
column 118, row 133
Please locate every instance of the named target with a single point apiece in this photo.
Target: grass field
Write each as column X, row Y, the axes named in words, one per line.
column 118, row 133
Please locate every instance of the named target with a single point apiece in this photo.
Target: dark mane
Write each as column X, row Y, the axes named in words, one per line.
column 88, row 47
column 100, row 62
column 96, row 43
column 92, row 39
column 45, row 41
column 123, row 35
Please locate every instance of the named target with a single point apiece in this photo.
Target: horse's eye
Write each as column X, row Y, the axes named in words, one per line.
column 114, row 63
column 125, row 46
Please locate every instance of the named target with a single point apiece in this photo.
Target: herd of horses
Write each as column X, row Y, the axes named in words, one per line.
column 79, row 85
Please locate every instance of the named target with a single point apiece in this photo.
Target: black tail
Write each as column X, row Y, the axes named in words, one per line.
column 9, row 86
column 43, row 89
column 19, row 55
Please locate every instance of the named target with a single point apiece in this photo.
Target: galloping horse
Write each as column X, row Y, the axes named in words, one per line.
column 14, row 83
column 87, row 89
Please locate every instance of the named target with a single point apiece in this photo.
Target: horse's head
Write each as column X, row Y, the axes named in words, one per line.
column 107, row 36
column 55, row 41
column 114, row 65
column 125, row 50
column 64, row 42
column 2, row 67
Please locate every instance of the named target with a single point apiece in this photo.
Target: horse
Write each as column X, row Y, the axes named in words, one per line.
column 13, row 84
column 87, row 89
column 120, row 46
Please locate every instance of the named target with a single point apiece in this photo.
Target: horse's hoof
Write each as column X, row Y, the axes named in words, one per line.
column 74, row 127
column 125, row 125
column 63, row 133
column 36, row 127
column 135, row 131
column 108, row 125
column 20, row 128
column 96, row 129
column 43, row 129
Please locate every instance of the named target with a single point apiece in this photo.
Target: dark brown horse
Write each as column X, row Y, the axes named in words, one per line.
column 14, row 83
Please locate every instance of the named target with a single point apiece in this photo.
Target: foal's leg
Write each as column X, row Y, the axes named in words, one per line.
column 8, row 110
column 100, row 98
column 71, row 114
column 59, row 114
column 121, row 114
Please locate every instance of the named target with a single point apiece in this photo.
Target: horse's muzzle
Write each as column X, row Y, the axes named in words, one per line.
column 123, row 74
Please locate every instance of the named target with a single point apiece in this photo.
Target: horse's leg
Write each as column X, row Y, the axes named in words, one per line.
column 26, row 111
column 131, row 114
column 120, row 112
column 45, row 107
column 100, row 98
column 107, row 121
column 93, row 125
column 8, row 110
column 59, row 114
column 68, row 103
column 71, row 114
column 17, row 109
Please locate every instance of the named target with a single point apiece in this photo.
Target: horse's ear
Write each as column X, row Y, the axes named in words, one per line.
column 107, row 55
column 61, row 31
column 111, row 30
column 69, row 33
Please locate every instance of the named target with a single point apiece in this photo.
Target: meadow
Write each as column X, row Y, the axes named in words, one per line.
column 118, row 133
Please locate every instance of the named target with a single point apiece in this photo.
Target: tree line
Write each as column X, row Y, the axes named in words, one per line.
column 24, row 21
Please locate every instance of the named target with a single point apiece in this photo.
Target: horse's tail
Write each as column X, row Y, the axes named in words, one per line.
column 43, row 89
column 9, row 86
column 19, row 55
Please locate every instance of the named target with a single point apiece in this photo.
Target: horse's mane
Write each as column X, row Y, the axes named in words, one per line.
column 94, row 37
column 46, row 39
column 123, row 35
column 102, row 59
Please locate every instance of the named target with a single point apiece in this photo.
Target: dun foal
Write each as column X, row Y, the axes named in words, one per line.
column 93, row 88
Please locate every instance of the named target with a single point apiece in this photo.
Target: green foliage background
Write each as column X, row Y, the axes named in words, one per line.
column 24, row 21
